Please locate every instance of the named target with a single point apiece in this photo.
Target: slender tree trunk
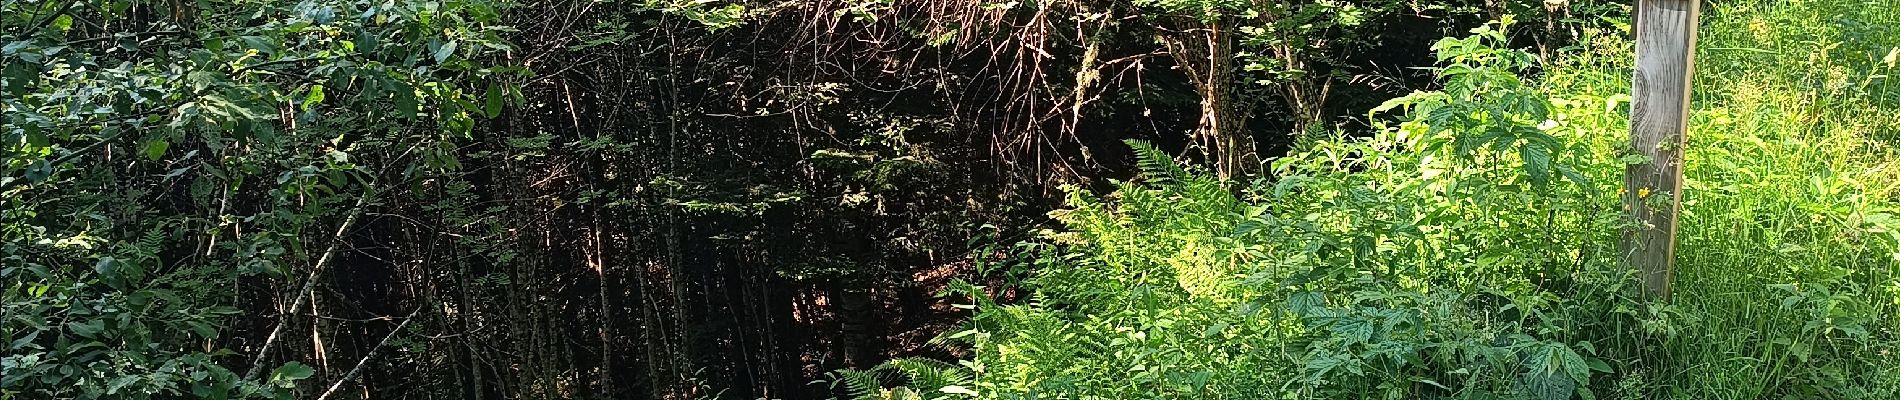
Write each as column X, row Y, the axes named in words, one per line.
column 1554, row 13
column 598, row 259
column 310, row 284
column 1305, row 95
column 468, row 311
column 1223, row 122
column 1207, row 54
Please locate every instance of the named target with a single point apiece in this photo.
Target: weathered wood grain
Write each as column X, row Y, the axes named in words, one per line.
column 1659, row 114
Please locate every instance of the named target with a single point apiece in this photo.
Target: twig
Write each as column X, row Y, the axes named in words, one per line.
column 354, row 371
column 41, row 24
column 123, row 35
column 309, row 285
column 62, row 160
column 274, row 63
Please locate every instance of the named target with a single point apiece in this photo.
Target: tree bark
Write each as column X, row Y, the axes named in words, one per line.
column 1206, row 53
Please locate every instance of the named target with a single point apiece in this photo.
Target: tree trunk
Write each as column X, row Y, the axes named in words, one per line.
column 1207, row 55
column 599, row 260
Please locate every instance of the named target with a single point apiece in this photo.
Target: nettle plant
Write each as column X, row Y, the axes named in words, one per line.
column 1486, row 111
column 1440, row 258
column 1443, row 257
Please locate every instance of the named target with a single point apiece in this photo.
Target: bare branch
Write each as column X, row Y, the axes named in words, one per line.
column 358, row 369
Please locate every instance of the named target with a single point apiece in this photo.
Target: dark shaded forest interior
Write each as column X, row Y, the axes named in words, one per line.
column 743, row 209
column 658, row 199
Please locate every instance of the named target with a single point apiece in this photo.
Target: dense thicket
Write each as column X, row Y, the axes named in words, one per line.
column 648, row 199
column 185, row 181
column 805, row 176
column 1469, row 250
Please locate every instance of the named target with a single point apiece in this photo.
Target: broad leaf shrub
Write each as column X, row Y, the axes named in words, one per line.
column 1470, row 251
column 161, row 163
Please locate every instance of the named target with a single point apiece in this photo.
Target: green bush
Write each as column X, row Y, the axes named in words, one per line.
column 163, row 164
column 1471, row 251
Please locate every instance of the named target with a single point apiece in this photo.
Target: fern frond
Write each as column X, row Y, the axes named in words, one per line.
column 154, row 239
column 860, row 385
column 1156, row 165
column 928, row 374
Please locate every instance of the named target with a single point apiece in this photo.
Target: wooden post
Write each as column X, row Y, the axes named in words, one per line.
column 1659, row 122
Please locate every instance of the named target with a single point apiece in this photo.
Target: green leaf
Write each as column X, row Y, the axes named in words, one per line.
column 25, row 341
column 35, row 137
column 494, row 95
column 406, row 104
column 203, row 329
column 1574, row 364
column 106, row 266
column 314, row 98
column 14, row 47
column 63, row 23
column 262, row 44
column 1388, row 105
column 1547, row 386
column 17, row 75
column 292, row 371
column 1155, row 164
column 1600, row 366
column 1574, row 176
column 38, row 170
column 1536, row 164
column 443, row 53
column 1307, row 304
column 87, row 330
column 155, row 148
column 1214, row 330
column 1354, row 330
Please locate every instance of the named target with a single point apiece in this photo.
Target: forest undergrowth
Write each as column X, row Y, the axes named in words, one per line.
column 1467, row 247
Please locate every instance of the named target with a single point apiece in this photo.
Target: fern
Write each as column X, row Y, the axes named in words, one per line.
column 1156, row 165
column 928, row 373
column 920, row 376
column 860, row 385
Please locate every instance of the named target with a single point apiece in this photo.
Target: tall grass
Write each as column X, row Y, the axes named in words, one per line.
column 1444, row 258
column 1787, row 264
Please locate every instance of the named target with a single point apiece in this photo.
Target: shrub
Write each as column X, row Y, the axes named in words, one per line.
column 1470, row 252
